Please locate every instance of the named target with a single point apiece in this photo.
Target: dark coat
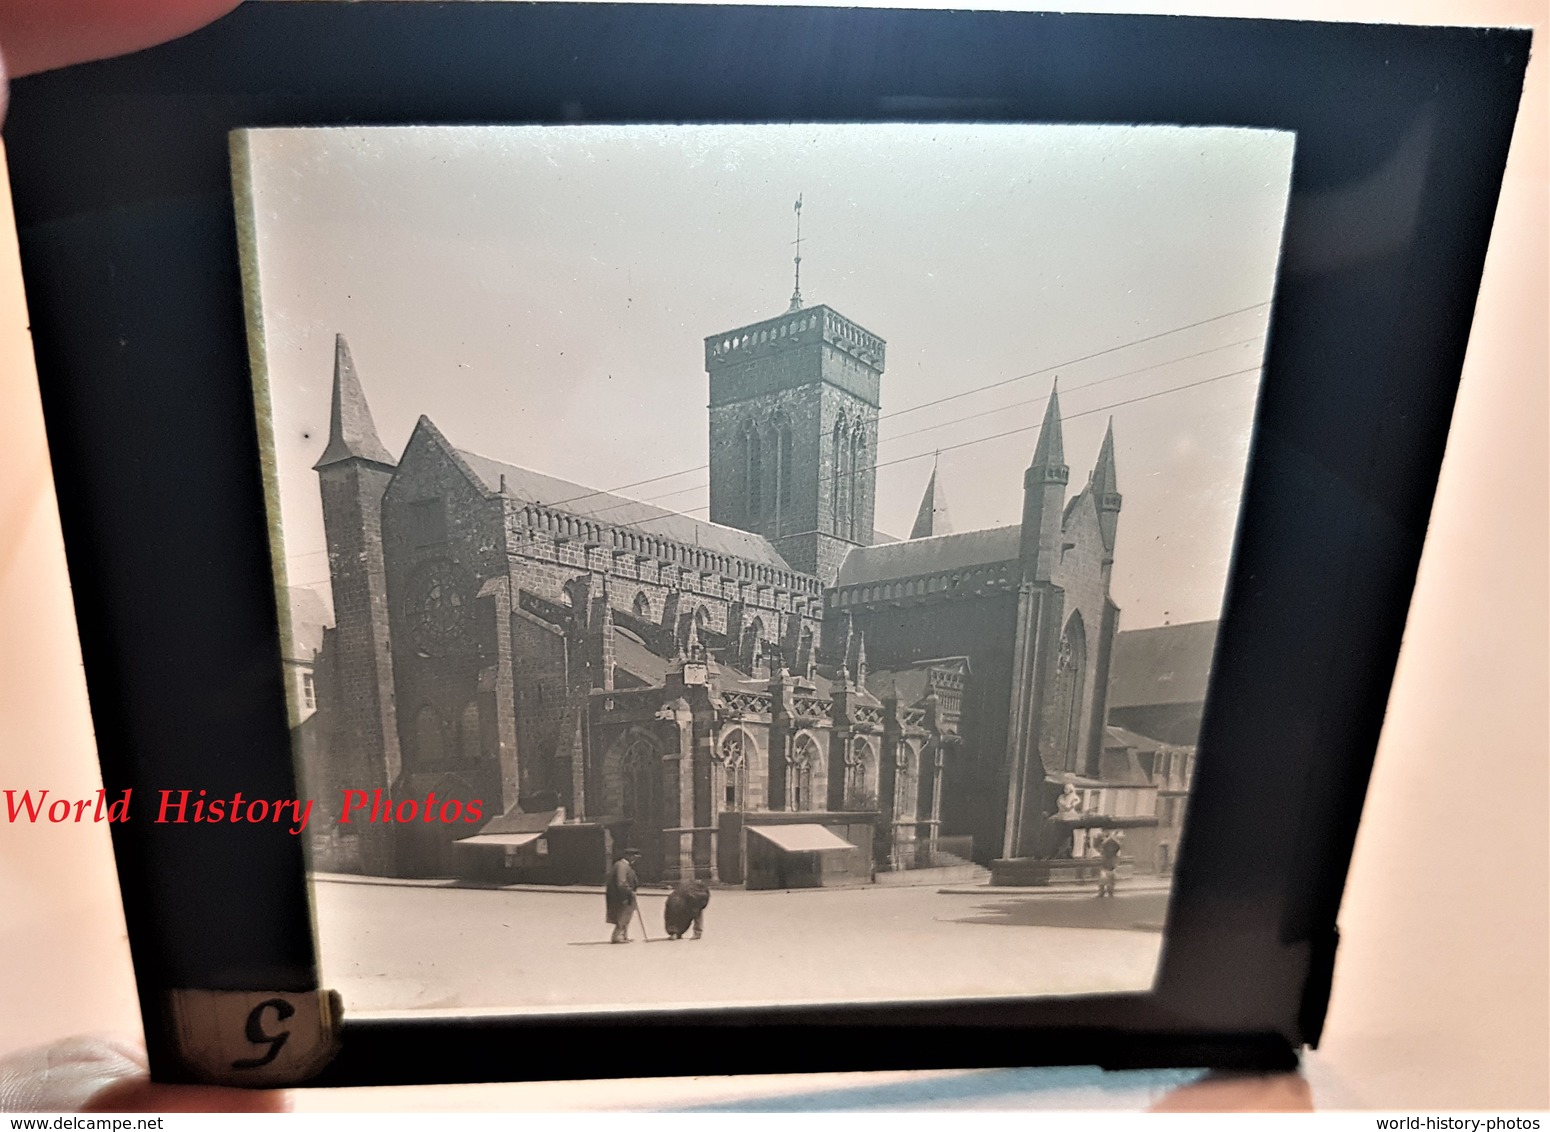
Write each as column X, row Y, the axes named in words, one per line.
column 1109, row 851
column 684, row 903
column 619, row 893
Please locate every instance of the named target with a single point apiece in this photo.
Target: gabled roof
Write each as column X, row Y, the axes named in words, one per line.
column 918, row 556
column 616, row 510
column 1170, row 664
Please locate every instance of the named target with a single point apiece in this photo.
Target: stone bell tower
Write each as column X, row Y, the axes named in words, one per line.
column 793, row 431
column 353, row 472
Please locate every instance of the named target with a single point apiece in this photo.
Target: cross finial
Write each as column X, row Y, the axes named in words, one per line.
column 796, row 295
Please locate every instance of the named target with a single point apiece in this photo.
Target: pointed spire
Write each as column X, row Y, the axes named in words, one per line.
column 352, row 435
column 1044, row 492
column 861, row 658
column 932, row 518
column 1104, row 481
column 1104, row 487
column 1050, row 452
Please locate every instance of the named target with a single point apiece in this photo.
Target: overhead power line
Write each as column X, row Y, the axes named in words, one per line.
column 1073, row 361
column 952, row 396
column 997, row 435
column 1073, row 389
column 957, row 420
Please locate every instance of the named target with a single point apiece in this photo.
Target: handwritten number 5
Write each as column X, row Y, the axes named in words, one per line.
column 258, row 1036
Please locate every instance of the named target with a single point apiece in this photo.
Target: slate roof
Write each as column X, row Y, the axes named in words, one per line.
column 1166, row 665
column 929, row 555
column 911, row 683
column 1121, row 737
column 632, row 654
column 352, row 435
column 932, row 518
column 515, row 821
column 535, row 487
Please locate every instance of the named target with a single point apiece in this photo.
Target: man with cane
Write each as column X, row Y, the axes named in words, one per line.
column 619, row 896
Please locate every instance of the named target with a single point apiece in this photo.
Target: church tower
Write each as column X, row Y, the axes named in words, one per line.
column 793, row 433
column 793, row 430
column 353, row 472
column 1035, row 654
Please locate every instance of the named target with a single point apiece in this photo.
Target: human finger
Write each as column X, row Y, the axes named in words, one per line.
column 104, row 1074
column 37, row 35
column 1239, row 1092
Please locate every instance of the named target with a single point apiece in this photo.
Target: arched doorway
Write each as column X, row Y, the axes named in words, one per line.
column 633, row 791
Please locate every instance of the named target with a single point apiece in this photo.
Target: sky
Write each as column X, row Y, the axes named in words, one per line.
column 543, row 294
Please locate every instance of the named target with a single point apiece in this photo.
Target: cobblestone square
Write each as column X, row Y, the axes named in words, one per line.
column 406, row 946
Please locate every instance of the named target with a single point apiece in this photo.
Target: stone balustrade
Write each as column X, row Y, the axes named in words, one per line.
column 576, row 540
column 795, row 328
column 967, row 582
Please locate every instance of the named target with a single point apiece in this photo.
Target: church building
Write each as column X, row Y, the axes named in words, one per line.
column 684, row 685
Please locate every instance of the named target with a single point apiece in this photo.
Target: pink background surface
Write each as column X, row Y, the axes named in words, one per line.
column 1442, row 992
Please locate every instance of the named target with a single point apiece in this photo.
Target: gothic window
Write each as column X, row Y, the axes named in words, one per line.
column 753, row 472
column 437, row 605
column 638, row 776
column 740, row 472
column 839, row 476
column 642, row 606
column 861, row 775
column 1070, row 681
column 799, row 774
column 783, row 464
column 468, row 746
column 857, row 463
column 729, row 771
column 906, row 757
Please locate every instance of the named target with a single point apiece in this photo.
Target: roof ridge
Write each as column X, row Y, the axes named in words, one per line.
column 592, row 492
column 916, row 542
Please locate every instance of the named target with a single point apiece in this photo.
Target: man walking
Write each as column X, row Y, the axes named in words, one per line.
column 619, row 895
column 1108, row 853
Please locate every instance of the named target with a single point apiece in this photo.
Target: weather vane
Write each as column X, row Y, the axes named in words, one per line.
column 796, row 295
